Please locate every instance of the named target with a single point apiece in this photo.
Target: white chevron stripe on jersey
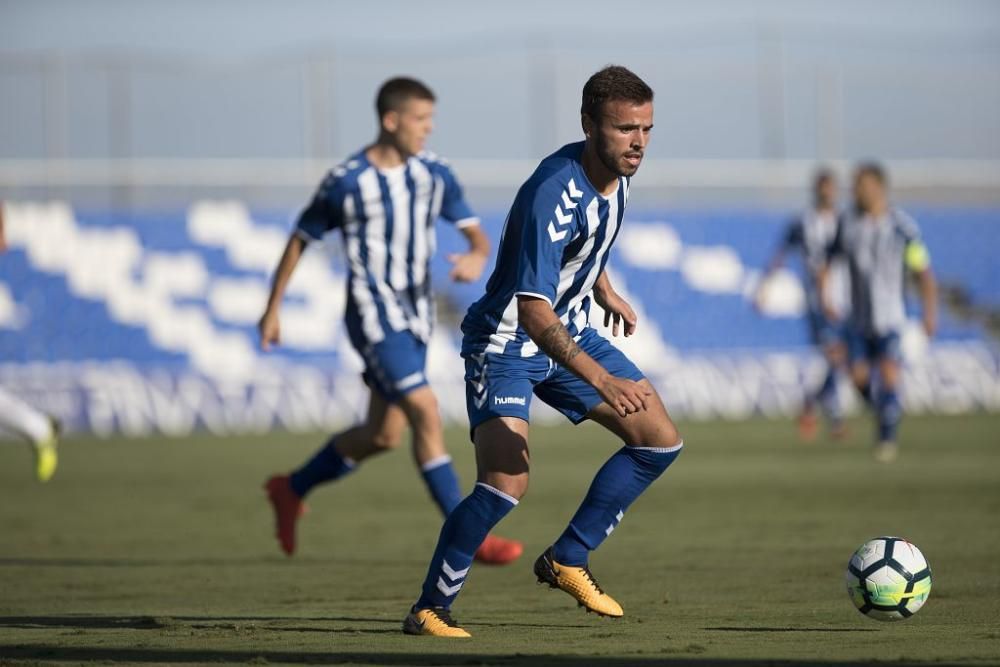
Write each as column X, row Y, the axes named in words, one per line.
column 573, row 192
column 556, row 236
column 563, row 218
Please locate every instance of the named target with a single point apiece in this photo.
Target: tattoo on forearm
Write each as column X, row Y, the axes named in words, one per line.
column 556, row 342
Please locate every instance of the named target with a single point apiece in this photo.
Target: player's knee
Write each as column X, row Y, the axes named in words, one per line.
column 421, row 407
column 652, row 433
column 889, row 374
column 515, row 486
column 385, row 439
column 836, row 355
column 668, row 436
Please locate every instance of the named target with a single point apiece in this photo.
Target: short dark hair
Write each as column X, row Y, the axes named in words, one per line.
column 823, row 175
column 873, row 169
column 395, row 92
column 614, row 82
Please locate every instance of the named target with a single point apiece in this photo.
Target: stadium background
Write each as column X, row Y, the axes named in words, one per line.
column 154, row 157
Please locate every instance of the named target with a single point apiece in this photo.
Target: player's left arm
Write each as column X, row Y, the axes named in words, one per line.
column 468, row 266
column 616, row 309
column 918, row 261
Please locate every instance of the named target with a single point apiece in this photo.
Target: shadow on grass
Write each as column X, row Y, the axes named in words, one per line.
column 771, row 629
column 200, row 562
column 270, row 623
column 187, row 656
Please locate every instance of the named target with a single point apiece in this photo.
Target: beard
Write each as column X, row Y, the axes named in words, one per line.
column 613, row 161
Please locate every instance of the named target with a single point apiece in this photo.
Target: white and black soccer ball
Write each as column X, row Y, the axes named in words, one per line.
column 888, row 579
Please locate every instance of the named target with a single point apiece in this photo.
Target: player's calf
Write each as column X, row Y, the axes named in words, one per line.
column 619, row 482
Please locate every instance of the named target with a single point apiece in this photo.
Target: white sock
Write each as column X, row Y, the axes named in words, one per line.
column 22, row 419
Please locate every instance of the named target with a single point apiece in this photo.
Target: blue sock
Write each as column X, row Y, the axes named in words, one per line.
column 827, row 396
column 326, row 465
column 890, row 412
column 463, row 531
column 439, row 475
column 617, row 484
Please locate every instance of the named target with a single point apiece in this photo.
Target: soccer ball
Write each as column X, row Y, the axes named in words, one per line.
column 888, row 579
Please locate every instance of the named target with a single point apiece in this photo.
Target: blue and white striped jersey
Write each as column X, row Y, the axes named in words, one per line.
column 875, row 252
column 387, row 220
column 554, row 246
column 811, row 234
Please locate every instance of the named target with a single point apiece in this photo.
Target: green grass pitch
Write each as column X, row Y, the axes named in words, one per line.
column 161, row 551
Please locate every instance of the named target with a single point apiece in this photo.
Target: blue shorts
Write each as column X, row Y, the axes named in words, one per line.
column 499, row 385
column 824, row 331
column 395, row 365
column 862, row 347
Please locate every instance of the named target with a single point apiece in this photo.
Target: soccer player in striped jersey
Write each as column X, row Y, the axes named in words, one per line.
column 385, row 201
column 810, row 235
column 880, row 244
column 531, row 334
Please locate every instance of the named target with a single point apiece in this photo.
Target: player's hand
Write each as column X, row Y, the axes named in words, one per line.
column 616, row 311
column 930, row 324
column 758, row 299
column 625, row 396
column 270, row 330
column 466, row 267
column 830, row 312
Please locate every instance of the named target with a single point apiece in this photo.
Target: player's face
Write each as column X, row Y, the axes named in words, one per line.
column 826, row 193
column 411, row 125
column 868, row 191
column 622, row 135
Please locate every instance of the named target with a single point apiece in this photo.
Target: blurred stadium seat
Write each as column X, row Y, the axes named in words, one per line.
column 160, row 311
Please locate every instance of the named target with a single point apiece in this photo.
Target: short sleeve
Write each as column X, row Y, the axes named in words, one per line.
column 544, row 238
column 794, row 235
column 324, row 212
column 454, row 208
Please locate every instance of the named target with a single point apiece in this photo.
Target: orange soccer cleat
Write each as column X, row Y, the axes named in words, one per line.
column 288, row 507
column 499, row 551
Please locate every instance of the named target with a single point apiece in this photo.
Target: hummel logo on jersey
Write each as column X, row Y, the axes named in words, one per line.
column 509, row 400
column 568, row 195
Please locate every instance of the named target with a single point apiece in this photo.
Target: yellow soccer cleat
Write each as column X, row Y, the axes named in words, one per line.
column 435, row 622
column 46, row 456
column 579, row 583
